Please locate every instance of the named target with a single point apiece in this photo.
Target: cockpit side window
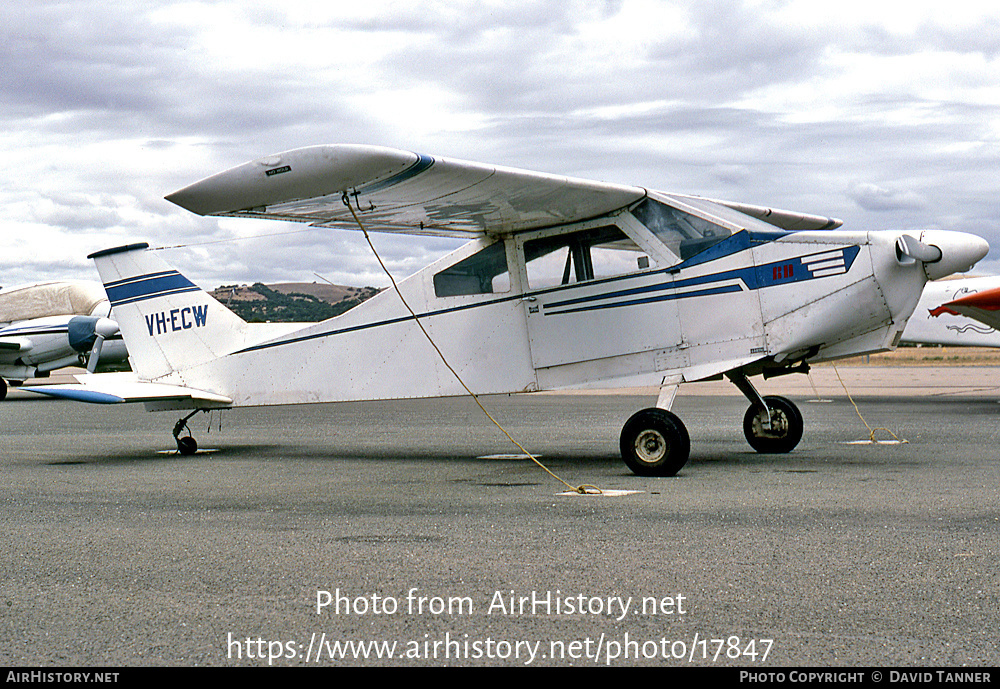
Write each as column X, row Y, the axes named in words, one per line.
column 590, row 254
column 683, row 233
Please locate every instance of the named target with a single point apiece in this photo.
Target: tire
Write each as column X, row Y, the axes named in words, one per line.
column 786, row 431
column 654, row 442
column 3, row 389
column 187, row 445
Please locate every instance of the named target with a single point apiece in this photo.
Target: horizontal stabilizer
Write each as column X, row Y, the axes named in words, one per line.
column 116, row 388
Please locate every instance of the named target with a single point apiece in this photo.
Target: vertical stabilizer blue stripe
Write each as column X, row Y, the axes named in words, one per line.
column 148, row 287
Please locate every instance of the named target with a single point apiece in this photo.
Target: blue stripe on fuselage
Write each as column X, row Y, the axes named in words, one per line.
column 751, row 277
column 748, row 278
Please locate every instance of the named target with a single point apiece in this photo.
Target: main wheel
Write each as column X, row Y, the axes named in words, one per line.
column 187, row 445
column 786, row 426
column 3, row 389
column 654, row 442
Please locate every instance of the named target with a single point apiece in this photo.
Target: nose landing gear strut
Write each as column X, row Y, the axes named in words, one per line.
column 772, row 424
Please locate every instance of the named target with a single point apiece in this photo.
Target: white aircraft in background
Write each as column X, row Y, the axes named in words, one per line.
column 51, row 325
column 566, row 283
column 960, row 312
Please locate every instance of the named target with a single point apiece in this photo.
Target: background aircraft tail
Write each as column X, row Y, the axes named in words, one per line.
column 168, row 323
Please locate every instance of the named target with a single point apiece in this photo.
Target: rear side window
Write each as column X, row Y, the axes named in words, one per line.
column 485, row 272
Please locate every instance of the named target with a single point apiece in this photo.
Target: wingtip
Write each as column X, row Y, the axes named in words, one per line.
column 301, row 173
column 75, row 393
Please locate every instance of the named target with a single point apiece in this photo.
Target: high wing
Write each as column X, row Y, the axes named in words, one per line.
column 400, row 192
column 785, row 220
column 981, row 306
column 410, row 193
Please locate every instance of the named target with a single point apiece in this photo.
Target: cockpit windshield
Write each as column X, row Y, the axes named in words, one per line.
column 684, row 232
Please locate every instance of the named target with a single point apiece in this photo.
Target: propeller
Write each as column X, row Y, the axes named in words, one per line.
column 909, row 250
column 95, row 353
column 941, row 252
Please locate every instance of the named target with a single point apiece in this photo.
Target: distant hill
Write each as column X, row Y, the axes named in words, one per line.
column 291, row 301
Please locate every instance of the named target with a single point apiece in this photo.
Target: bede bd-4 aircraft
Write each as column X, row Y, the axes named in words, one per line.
column 566, row 283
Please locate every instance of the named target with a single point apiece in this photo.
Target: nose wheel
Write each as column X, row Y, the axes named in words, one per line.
column 772, row 424
column 775, row 430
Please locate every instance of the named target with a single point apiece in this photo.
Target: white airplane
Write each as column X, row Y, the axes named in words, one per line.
column 566, row 283
column 958, row 312
column 51, row 325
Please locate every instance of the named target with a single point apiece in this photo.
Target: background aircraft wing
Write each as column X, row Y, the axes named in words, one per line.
column 981, row 306
column 44, row 299
column 399, row 191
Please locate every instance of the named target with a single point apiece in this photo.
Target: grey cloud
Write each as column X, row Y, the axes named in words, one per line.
column 79, row 212
column 82, row 74
column 978, row 37
column 731, row 49
column 872, row 197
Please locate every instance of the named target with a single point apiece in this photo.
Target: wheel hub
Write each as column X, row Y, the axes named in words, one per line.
column 650, row 446
column 778, row 429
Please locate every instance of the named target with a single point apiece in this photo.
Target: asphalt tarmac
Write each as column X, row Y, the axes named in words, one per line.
column 324, row 533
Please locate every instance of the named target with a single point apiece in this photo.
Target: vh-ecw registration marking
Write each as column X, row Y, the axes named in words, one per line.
column 177, row 319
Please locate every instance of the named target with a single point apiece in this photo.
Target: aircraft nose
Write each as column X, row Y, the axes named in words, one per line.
column 959, row 252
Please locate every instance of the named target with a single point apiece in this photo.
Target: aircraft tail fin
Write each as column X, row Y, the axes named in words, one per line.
column 168, row 323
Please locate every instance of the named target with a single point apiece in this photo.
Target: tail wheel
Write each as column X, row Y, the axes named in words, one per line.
column 187, row 445
column 785, row 431
column 654, row 442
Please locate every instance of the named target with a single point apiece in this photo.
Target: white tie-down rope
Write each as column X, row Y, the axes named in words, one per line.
column 583, row 489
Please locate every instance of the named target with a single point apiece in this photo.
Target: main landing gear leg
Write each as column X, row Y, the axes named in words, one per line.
column 654, row 441
column 772, row 424
column 186, row 445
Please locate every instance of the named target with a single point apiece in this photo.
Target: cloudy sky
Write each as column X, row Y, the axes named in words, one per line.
column 884, row 114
